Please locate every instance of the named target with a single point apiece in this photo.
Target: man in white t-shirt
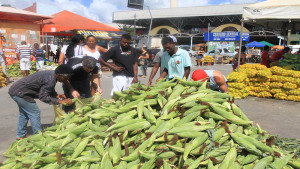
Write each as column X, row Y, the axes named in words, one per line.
column 3, row 63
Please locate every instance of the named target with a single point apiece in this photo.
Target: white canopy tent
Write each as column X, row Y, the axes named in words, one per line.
column 272, row 14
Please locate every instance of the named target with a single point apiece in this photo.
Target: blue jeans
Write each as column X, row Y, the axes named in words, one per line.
column 144, row 69
column 27, row 111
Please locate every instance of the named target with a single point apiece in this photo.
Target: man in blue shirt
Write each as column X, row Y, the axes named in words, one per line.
column 38, row 54
column 175, row 61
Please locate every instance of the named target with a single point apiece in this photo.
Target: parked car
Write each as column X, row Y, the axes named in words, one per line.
column 192, row 53
column 223, row 51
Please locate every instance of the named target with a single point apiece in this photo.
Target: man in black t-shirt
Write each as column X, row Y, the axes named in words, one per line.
column 125, row 59
column 79, row 82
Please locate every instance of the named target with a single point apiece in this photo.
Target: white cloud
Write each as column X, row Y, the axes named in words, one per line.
column 102, row 10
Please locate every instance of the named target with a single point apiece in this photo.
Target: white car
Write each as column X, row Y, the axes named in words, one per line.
column 192, row 53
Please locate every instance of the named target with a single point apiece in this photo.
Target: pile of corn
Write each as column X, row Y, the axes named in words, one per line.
column 2, row 79
column 237, row 84
column 264, row 82
column 208, row 58
column 169, row 125
column 15, row 71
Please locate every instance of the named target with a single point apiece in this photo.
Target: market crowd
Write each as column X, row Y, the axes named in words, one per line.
column 79, row 71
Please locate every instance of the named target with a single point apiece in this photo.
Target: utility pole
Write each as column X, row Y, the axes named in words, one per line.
column 134, row 30
column 148, row 41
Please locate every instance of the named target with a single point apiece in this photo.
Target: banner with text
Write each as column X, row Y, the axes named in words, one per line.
column 225, row 36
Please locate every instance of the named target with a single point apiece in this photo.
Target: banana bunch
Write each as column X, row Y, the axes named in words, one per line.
column 295, row 98
column 253, row 66
column 280, row 96
column 274, row 91
column 264, row 94
column 208, row 58
column 275, row 85
column 236, row 85
column 289, row 86
column 237, row 77
column 279, row 71
column 294, row 92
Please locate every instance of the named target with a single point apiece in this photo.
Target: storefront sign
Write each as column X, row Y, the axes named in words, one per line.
column 101, row 34
column 225, row 36
column 10, row 52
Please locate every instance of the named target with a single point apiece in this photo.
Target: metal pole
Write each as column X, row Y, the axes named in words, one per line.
column 240, row 49
column 208, row 33
column 148, row 41
column 134, row 31
column 191, row 42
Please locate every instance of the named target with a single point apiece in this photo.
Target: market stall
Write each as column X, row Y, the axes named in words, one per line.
column 273, row 14
column 19, row 25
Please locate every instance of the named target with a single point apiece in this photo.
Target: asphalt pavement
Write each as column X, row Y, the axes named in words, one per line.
column 277, row 117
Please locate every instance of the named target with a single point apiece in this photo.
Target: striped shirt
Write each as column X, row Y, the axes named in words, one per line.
column 38, row 54
column 25, row 51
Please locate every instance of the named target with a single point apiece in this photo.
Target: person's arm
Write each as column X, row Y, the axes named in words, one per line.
column 146, row 55
column 187, row 71
column 163, row 75
column 153, row 72
column 135, row 72
column 101, row 49
column 61, row 58
column 220, row 81
column 73, row 92
column 4, row 58
column 108, row 55
column 96, row 80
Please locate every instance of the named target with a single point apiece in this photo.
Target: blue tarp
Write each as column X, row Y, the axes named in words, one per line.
column 255, row 44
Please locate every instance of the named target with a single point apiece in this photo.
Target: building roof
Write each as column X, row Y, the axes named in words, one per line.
column 13, row 14
column 67, row 21
column 185, row 18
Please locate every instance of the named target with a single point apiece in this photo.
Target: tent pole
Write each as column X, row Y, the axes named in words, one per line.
column 240, row 48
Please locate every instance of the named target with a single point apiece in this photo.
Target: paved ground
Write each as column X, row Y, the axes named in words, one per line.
column 275, row 116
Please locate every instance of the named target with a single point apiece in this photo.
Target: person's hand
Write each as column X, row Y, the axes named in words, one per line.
column 159, row 79
column 65, row 102
column 134, row 80
column 99, row 90
column 61, row 96
column 118, row 69
column 149, row 82
column 75, row 94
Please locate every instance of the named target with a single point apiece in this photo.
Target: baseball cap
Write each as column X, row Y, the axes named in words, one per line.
column 199, row 74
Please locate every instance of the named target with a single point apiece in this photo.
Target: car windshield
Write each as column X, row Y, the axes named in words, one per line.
column 226, row 50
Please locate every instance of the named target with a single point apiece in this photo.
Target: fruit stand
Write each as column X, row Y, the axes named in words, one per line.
column 2, row 78
column 167, row 125
column 260, row 81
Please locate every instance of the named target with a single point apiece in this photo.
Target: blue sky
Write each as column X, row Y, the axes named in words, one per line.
column 102, row 10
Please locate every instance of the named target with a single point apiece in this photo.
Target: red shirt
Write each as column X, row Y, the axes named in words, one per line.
column 277, row 55
column 264, row 58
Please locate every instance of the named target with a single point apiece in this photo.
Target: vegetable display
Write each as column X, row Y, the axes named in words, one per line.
column 290, row 61
column 260, row 81
column 2, row 79
column 168, row 125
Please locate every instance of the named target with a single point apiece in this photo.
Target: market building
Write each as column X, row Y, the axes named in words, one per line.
column 18, row 25
column 189, row 24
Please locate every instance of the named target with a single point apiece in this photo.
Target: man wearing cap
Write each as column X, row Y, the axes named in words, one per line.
column 217, row 81
column 175, row 61
column 40, row 85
